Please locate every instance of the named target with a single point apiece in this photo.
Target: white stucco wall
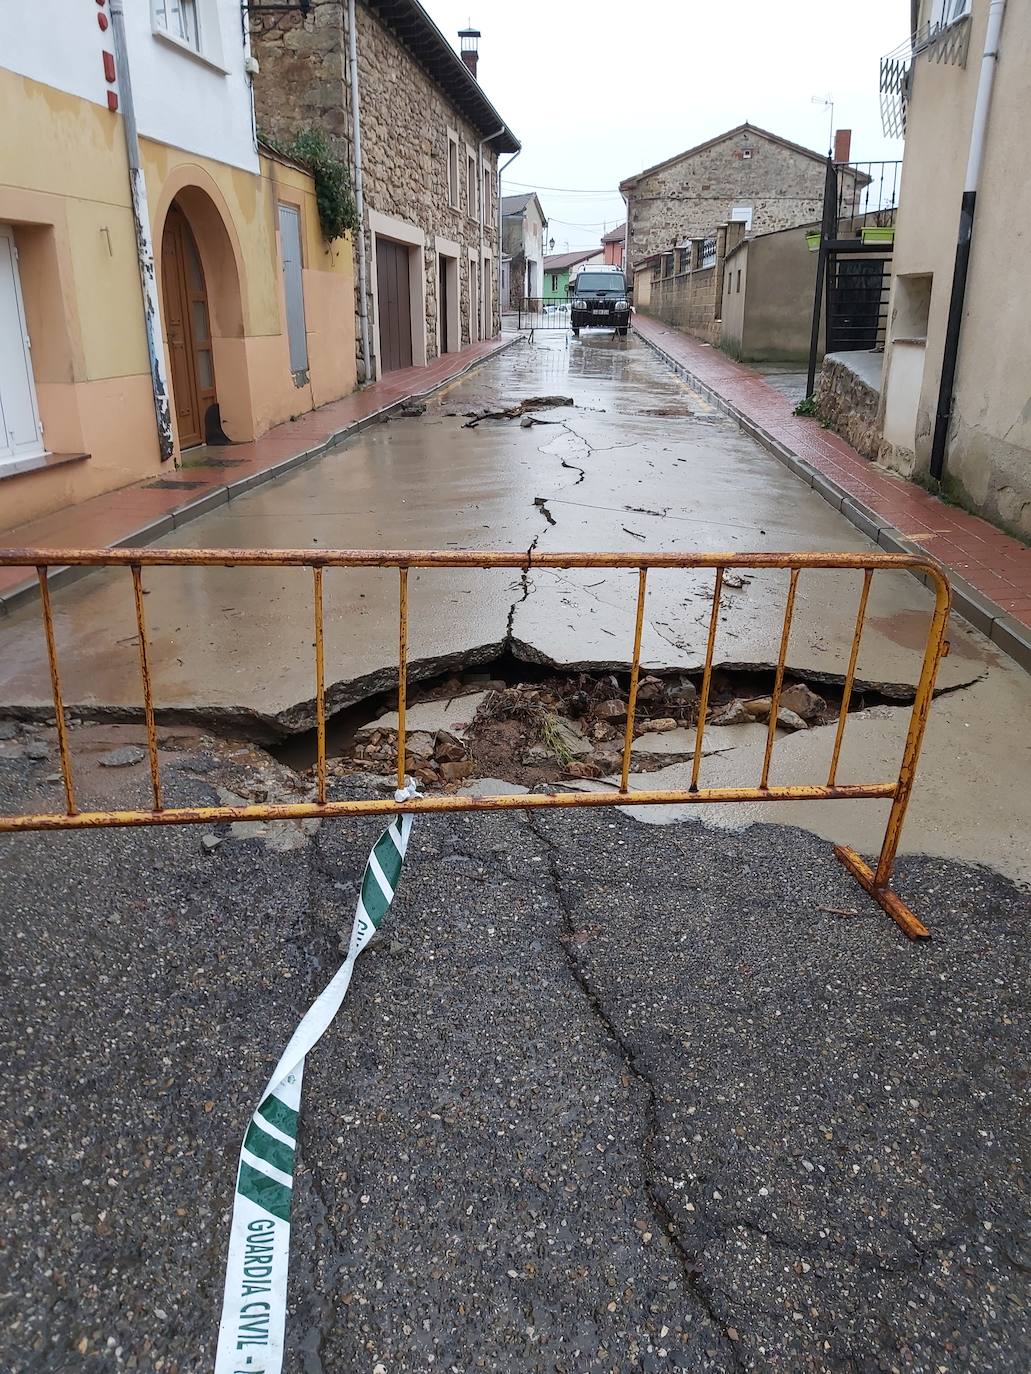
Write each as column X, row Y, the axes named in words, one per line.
column 198, row 103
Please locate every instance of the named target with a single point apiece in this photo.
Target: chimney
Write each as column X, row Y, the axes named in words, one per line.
column 842, row 144
column 470, row 48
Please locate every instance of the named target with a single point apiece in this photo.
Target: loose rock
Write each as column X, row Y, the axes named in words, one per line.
column 803, row 701
column 124, row 757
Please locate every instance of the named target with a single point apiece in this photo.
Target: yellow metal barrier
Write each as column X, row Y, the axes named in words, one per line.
column 875, row 881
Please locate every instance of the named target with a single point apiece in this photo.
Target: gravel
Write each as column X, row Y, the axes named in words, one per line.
column 573, row 1116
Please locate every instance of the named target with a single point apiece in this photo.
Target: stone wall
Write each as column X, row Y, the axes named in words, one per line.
column 687, row 301
column 405, row 120
column 689, row 197
column 848, row 405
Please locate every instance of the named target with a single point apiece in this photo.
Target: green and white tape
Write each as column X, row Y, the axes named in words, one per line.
column 250, row 1336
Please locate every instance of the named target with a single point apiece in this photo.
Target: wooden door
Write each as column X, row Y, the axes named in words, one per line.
column 188, row 329
column 393, row 294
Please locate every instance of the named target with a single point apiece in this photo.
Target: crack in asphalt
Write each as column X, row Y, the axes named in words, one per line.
column 665, row 1224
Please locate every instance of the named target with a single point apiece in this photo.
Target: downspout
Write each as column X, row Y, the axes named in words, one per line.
column 483, row 221
column 359, row 193
column 144, row 244
column 975, row 158
column 501, row 225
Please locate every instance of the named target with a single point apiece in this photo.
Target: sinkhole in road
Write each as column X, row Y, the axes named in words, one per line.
column 532, row 722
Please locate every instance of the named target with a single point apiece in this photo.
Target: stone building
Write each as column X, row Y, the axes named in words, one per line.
column 745, row 175
column 523, row 225
column 430, row 141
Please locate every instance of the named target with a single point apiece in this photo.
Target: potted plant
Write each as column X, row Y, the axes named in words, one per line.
column 812, row 240
column 874, row 233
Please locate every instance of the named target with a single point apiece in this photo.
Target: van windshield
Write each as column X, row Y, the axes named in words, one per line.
column 595, row 282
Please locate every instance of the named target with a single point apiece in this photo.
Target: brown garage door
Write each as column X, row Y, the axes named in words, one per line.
column 395, row 305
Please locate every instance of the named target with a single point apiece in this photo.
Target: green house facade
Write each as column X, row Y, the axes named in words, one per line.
column 559, row 266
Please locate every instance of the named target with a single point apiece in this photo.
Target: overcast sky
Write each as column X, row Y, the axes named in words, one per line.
column 596, row 92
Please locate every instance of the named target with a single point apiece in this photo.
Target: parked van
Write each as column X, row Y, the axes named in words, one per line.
column 598, row 299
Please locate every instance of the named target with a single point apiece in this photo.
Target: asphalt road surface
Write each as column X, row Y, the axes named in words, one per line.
column 605, row 1097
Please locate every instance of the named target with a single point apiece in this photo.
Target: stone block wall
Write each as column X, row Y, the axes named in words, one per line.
column 688, row 301
column 849, row 406
column 687, row 198
column 405, row 120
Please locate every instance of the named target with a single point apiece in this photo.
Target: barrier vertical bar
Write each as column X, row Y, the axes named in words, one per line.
column 402, row 675
column 846, row 695
column 915, row 735
column 635, row 668
column 320, row 688
column 55, row 685
column 703, row 696
column 148, row 700
column 778, row 682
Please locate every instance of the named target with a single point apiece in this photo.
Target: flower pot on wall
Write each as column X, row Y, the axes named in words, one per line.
column 812, row 241
column 873, row 233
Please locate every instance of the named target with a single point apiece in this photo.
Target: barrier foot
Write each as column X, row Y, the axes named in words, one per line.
column 884, row 897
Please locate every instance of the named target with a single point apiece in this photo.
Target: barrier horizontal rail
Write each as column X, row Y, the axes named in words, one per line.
column 875, row 881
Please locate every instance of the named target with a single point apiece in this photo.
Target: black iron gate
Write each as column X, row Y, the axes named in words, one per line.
column 853, row 273
column 857, row 301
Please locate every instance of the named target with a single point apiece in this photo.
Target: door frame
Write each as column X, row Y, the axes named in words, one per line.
column 177, row 222
column 449, row 253
column 400, row 231
column 15, row 457
column 292, row 208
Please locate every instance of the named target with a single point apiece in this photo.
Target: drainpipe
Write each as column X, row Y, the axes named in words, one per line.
column 359, row 193
column 975, row 158
column 144, row 244
column 483, row 221
column 501, row 305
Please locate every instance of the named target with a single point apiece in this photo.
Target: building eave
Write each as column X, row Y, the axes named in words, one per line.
column 629, row 183
column 416, row 31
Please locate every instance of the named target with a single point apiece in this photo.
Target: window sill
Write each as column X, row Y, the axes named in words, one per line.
column 177, row 43
column 35, row 462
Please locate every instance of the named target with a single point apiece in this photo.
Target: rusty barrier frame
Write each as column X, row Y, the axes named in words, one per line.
column 876, row 881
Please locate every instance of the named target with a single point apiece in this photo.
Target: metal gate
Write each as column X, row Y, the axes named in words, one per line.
column 876, row 881
column 536, row 312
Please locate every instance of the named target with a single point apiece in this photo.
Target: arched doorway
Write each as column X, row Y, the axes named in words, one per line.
column 188, row 330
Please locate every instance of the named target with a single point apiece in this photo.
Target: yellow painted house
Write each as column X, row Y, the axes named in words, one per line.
column 142, row 316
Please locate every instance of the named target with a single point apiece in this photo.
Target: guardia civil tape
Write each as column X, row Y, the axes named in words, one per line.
column 250, row 1336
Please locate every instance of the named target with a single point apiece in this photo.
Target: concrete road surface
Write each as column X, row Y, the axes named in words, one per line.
column 609, row 1095
column 639, row 462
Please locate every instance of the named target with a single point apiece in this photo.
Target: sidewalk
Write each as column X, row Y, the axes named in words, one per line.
column 990, row 572
column 141, row 513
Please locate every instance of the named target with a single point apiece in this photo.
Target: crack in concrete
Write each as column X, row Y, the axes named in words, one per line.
column 665, row 1224
column 541, row 502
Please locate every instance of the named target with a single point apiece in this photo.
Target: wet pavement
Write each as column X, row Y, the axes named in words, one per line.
column 640, row 462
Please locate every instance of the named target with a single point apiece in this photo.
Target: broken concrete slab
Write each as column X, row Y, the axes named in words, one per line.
column 452, row 714
column 716, row 739
column 986, row 822
column 493, row 787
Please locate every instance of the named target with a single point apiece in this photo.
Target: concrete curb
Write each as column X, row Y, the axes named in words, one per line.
column 201, row 505
column 1007, row 634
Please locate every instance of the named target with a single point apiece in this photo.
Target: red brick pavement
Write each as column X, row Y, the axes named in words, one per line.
column 143, row 512
column 978, row 557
